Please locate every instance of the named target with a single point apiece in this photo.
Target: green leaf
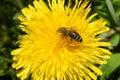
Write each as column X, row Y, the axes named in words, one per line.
column 118, row 12
column 115, row 39
column 2, row 72
column 116, row 2
column 118, row 78
column 112, row 12
column 112, row 64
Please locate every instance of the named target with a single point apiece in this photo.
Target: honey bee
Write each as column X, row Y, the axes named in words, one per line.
column 70, row 33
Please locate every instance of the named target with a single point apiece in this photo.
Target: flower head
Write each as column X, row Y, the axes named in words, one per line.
column 48, row 52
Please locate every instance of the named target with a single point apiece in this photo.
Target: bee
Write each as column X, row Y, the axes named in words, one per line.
column 70, row 33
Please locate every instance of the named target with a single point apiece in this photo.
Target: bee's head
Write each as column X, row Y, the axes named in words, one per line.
column 62, row 30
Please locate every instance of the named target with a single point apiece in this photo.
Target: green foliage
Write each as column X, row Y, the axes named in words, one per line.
column 115, row 39
column 111, row 66
column 9, row 31
column 112, row 12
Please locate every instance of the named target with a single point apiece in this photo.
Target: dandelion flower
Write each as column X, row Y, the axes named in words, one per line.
column 45, row 53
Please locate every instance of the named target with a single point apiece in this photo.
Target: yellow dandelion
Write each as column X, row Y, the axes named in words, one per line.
column 60, row 42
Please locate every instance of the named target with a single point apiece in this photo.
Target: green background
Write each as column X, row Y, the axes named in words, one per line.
column 9, row 31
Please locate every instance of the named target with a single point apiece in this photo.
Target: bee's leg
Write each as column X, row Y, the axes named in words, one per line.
column 71, row 40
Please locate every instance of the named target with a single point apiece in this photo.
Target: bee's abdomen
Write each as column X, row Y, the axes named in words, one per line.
column 75, row 36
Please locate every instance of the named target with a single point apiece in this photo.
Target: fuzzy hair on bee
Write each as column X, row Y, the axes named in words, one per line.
column 70, row 33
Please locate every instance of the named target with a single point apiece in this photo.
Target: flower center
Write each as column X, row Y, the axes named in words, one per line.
column 67, row 42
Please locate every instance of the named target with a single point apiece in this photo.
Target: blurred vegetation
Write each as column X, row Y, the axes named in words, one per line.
column 9, row 31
